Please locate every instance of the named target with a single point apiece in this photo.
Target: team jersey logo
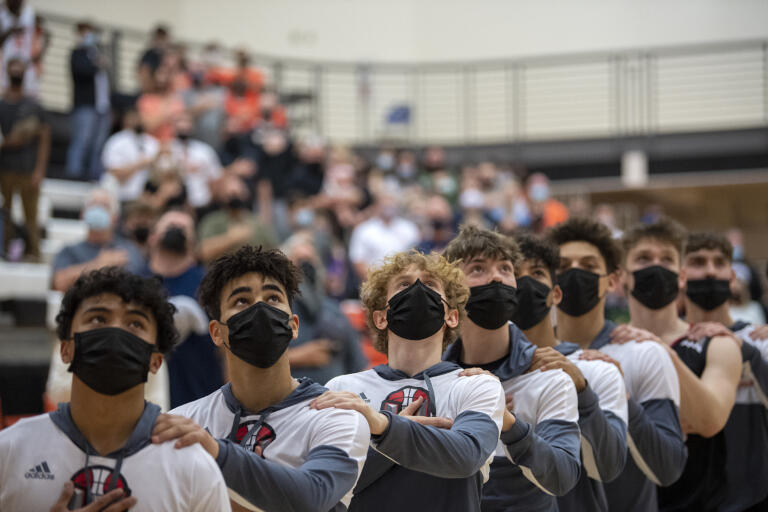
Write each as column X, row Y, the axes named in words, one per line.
column 398, row 400
column 100, row 480
column 40, row 472
column 262, row 438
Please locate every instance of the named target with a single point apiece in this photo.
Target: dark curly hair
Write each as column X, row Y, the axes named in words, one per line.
column 248, row 258
column 146, row 292
column 583, row 229
column 664, row 230
column 540, row 250
column 699, row 240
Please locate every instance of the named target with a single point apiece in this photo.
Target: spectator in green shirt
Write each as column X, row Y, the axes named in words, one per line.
column 235, row 224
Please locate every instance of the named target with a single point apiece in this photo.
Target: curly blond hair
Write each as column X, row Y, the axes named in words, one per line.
column 373, row 292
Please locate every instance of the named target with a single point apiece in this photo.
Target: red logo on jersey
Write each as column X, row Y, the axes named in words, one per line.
column 100, row 480
column 262, row 438
column 398, row 400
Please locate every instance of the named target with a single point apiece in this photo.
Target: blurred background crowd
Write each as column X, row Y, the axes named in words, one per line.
column 203, row 158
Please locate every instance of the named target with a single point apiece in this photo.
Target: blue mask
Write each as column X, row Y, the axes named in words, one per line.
column 97, row 218
column 539, row 192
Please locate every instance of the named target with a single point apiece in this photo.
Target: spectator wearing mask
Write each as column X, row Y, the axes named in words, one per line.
column 234, row 225
column 26, row 145
column 162, row 107
column 91, row 116
column 383, row 234
column 742, row 307
column 139, row 218
column 194, row 368
column 17, row 31
column 546, row 210
column 327, row 345
column 102, row 246
column 153, row 56
column 439, row 229
column 127, row 158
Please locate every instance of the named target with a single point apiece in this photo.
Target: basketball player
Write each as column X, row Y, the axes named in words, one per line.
column 537, row 457
column 707, row 264
column 414, row 305
column 708, row 366
column 599, row 385
column 588, row 270
column 275, row 452
column 708, row 274
column 114, row 328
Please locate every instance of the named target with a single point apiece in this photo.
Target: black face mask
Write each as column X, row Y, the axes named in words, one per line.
column 111, row 360
column 491, row 305
column 183, row 136
column 237, row 203
column 709, row 293
column 16, row 81
column 581, row 291
column 140, row 234
column 416, row 313
column 533, row 306
column 174, row 240
column 655, row 286
column 260, row 334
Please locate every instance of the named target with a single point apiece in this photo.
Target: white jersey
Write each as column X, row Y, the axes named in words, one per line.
column 285, row 433
column 452, row 394
column 446, row 466
column 750, row 391
column 38, row 455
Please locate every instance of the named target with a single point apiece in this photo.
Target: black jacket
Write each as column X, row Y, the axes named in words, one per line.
column 83, row 66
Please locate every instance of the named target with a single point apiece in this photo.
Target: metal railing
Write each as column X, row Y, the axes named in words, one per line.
column 604, row 94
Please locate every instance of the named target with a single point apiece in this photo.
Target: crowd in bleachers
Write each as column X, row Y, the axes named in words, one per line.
column 205, row 160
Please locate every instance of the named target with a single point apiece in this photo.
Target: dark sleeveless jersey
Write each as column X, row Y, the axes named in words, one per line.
column 702, row 485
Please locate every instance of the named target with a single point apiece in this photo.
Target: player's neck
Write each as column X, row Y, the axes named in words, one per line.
column 106, row 421
column 663, row 322
column 482, row 346
column 412, row 357
column 542, row 334
column 259, row 388
column 721, row 314
column 583, row 329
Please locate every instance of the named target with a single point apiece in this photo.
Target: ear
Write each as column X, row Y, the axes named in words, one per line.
column 295, row 326
column 557, row 295
column 452, row 318
column 380, row 319
column 67, row 351
column 614, row 278
column 732, row 279
column 155, row 362
column 218, row 332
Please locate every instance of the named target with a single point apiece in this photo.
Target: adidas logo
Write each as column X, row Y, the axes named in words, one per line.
column 41, row 472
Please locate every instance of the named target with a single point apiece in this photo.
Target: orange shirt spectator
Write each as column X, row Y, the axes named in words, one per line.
column 159, row 110
column 159, row 114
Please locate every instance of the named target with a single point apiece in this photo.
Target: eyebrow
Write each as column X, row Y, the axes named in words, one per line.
column 97, row 309
column 239, row 289
column 272, row 287
column 140, row 313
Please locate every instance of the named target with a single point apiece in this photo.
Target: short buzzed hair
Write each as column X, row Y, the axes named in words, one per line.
column 473, row 241
column 583, row 229
column 664, row 230
column 708, row 240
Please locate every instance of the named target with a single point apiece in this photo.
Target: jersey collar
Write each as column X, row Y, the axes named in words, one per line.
column 518, row 359
column 307, row 389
